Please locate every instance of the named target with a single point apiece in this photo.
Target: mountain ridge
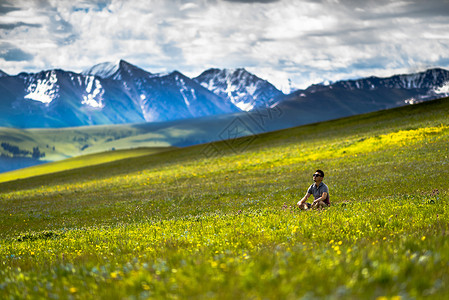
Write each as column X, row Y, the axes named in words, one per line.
column 107, row 93
column 117, row 93
column 407, row 81
column 245, row 90
column 126, row 94
column 108, row 70
column 404, row 88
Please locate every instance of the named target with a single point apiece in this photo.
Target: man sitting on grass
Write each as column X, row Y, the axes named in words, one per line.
column 319, row 190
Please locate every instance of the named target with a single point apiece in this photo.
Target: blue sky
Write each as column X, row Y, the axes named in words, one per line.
column 297, row 42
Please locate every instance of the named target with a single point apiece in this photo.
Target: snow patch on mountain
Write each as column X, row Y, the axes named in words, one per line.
column 44, row 90
column 185, row 91
column 94, row 93
column 146, row 114
column 444, row 89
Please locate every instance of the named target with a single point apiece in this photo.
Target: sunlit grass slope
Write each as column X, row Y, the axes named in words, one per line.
column 218, row 220
column 79, row 162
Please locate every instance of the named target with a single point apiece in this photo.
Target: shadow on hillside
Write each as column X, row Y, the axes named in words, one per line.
column 14, row 163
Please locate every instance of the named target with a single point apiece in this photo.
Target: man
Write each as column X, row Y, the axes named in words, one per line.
column 320, row 192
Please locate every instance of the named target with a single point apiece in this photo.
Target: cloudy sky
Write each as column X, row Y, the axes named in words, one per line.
column 301, row 41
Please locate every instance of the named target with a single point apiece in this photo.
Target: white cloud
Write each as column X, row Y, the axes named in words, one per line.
column 305, row 41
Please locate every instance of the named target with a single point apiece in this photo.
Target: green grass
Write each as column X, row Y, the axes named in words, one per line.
column 78, row 162
column 179, row 224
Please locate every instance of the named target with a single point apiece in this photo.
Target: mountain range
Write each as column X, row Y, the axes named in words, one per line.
column 123, row 93
column 119, row 93
column 351, row 97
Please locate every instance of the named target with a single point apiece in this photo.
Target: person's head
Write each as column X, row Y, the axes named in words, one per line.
column 318, row 176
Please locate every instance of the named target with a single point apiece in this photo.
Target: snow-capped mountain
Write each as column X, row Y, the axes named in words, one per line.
column 48, row 87
column 350, row 97
column 406, row 88
column 53, row 98
column 163, row 97
column 243, row 89
column 123, row 93
column 175, row 96
column 105, row 94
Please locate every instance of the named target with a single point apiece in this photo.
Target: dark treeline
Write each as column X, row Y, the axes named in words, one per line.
column 17, row 152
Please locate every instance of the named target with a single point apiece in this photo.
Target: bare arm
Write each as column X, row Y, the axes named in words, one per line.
column 322, row 198
column 304, row 199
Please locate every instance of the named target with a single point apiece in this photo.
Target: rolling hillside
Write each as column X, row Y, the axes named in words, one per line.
column 87, row 160
column 191, row 223
column 129, row 136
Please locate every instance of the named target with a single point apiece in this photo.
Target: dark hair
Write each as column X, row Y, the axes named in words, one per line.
column 321, row 172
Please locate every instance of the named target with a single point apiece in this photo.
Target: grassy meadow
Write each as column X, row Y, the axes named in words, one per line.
column 79, row 162
column 219, row 220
